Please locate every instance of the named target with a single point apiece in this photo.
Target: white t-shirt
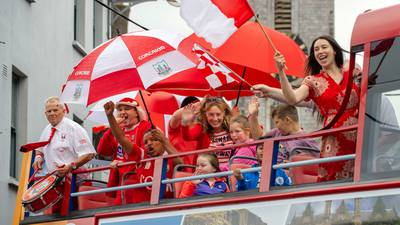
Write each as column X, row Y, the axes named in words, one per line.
column 70, row 141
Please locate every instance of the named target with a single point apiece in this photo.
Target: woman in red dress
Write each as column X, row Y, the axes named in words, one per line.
column 326, row 86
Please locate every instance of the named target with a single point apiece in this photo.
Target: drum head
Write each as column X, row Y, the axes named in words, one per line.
column 39, row 188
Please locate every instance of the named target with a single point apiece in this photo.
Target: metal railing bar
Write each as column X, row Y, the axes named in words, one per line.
column 119, row 188
column 209, row 175
column 314, row 161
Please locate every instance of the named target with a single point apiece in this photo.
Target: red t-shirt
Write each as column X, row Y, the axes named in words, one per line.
column 144, row 173
column 109, row 146
column 181, row 145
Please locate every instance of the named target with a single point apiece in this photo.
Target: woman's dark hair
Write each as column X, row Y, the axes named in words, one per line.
column 312, row 65
column 213, row 159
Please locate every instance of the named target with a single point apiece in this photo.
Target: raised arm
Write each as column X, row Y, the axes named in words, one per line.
column 185, row 115
column 292, row 96
column 255, row 129
column 116, row 130
column 176, row 118
column 264, row 91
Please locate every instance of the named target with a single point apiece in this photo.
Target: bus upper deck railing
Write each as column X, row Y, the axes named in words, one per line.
column 219, row 174
column 266, row 177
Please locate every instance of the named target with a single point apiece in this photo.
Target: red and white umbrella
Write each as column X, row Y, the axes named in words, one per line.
column 129, row 62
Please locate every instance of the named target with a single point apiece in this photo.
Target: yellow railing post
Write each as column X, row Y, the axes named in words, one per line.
column 23, row 180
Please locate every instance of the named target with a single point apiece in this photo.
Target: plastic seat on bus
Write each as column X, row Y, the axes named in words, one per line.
column 304, row 174
column 232, row 166
column 181, row 170
column 96, row 200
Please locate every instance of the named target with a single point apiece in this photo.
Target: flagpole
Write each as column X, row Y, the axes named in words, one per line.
column 268, row 38
column 262, row 28
column 240, row 87
column 219, row 61
column 265, row 34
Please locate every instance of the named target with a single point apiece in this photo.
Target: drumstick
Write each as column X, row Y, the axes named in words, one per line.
column 33, row 175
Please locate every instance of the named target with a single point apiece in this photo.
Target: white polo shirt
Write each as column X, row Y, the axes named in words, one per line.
column 70, row 141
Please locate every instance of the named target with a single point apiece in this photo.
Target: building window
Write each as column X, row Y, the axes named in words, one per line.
column 18, row 122
column 79, row 21
column 100, row 21
column 283, row 16
column 119, row 25
column 79, row 42
column 14, row 113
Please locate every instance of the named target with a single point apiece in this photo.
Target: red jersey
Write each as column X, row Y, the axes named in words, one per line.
column 144, row 173
column 109, row 146
column 181, row 145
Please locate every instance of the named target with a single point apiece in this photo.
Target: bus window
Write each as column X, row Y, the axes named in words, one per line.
column 381, row 147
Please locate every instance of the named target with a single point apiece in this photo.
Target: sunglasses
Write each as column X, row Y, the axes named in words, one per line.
column 214, row 99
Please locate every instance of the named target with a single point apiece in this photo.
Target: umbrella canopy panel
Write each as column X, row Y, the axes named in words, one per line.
column 249, row 47
column 128, row 62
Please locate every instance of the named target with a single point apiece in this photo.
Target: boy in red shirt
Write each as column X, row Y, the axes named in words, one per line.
column 131, row 125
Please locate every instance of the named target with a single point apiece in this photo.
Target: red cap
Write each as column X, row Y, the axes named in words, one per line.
column 127, row 101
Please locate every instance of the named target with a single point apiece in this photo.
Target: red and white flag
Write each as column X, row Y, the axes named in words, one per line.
column 220, row 75
column 215, row 20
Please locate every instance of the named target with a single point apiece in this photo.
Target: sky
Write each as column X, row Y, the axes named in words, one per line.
column 346, row 12
column 158, row 15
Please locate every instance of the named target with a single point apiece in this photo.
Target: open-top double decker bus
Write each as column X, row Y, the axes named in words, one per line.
column 371, row 197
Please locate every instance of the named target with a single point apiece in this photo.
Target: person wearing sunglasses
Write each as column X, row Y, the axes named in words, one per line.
column 212, row 126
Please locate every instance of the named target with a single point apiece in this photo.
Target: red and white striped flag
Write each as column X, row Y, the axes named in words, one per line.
column 215, row 20
column 220, row 75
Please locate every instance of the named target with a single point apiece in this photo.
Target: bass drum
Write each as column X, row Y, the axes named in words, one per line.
column 43, row 194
